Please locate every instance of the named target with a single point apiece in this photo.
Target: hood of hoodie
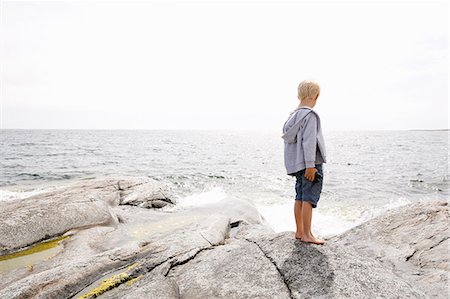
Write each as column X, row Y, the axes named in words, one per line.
column 293, row 124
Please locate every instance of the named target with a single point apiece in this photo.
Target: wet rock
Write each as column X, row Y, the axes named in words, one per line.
column 255, row 262
column 93, row 253
column 83, row 204
column 40, row 217
column 224, row 249
column 146, row 193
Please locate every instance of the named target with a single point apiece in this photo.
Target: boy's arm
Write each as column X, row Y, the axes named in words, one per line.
column 309, row 141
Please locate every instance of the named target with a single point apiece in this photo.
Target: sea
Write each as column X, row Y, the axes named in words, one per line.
column 366, row 174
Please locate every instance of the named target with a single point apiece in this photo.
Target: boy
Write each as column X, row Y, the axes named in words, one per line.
column 304, row 153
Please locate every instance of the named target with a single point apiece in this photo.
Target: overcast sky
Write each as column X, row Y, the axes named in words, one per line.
column 223, row 65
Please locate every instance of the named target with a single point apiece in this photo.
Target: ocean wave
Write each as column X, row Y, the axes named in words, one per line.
column 33, row 175
column 325, row 222
column 197, row 199
column 371, row 213
column 23, row 144
column 8, row 195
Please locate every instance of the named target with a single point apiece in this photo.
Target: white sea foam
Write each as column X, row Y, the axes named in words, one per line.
column 375, row 212
column 6, row 195
column 325, row 223
column 280, row 217
column 213, row 195
column 9, row 195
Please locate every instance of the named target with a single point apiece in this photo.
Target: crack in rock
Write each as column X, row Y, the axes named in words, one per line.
column 205, row 239
column 273, row 262
column 437, row 244
column 431, row 247
column 144, row 269
column 235, row 224
column 119, row 188
column 181, row 262
column 407, row 258
column 411, row 255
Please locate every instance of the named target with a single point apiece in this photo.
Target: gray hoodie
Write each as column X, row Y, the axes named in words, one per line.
column 304, row 145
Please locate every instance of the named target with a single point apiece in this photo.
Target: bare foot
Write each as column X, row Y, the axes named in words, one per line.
column 313, row 240
column 298, row 237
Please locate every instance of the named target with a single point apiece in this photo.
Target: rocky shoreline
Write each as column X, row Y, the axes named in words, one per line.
column 121, row 238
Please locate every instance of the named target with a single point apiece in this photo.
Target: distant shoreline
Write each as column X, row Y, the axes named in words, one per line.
column 428, row 130
column 210, row 130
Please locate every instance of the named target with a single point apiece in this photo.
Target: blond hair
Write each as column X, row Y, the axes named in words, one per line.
column 308, row 90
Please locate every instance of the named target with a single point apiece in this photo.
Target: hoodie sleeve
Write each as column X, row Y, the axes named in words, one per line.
column 309, row 140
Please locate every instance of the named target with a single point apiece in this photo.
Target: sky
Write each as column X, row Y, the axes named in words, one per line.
column 381, row 65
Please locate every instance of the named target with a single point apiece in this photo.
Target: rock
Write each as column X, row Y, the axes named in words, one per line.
column 223, row 250
column 328, row 271
column 154, row 285
column 93, row 253
column 37, row 218
column 159, row 203
column 255, row 262
column 413, row 241
column 238, row 269
column 260, row 264
column 83, row 204
column 65, row 279
column 238, row 210
column 146, row 193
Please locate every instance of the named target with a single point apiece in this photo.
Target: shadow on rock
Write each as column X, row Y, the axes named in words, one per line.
column 307, row 271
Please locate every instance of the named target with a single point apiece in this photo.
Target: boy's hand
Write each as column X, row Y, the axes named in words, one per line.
column 310, row 173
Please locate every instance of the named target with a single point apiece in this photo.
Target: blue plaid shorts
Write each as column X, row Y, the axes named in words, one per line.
column 307, row 190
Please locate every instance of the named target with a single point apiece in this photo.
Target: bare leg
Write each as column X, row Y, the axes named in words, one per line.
column 298, row 219
column 307, row 217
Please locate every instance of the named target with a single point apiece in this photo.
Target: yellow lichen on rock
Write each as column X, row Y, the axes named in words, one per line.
column 111, row 283
column 131, row 281
column 34, row 249
column 107, row 285
column 132, row 266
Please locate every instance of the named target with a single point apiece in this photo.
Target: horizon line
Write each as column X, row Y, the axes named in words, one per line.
column 193, row 129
